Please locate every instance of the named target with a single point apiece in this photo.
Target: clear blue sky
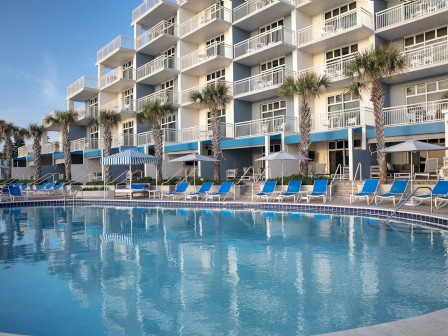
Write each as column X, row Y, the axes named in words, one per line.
column 45, row 45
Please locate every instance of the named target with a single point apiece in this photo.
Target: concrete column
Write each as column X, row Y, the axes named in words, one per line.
column 350, row 153
column 199, row 163
column 267, row 145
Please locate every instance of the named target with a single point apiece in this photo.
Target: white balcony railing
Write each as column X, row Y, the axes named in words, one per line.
column 416, row 113
column 164, row 96
column 342, row 119
column 201, row 55
column 335, row 70
column 115, row 75
column 119, row 105
column 279, row 34
column 427, row 55
column 204, row 132
column 94, row 144
column 408, row 11
column 265, row 126
column 185, row 95
column 164, row 27
column 119, row 42
column 252, row 6
column 24, row 151
column 83, row 112
column 160, row 63
column 204, row 17
column 146, row 138
column 263, row 81
column 78, row 145
column 335, row 25
column 146, row 7
column 124, row 139
column 50, row 147
column 82, row 83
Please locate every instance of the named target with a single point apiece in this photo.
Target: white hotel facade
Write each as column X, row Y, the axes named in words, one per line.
column 181, row 45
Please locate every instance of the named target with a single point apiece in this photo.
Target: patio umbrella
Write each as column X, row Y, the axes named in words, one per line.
column 194, row 157
column 282, row 156
column 129, row 158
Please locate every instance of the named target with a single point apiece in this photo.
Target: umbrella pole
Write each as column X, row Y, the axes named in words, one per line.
column 282, row 176
column 194, row 173
column 130, row 178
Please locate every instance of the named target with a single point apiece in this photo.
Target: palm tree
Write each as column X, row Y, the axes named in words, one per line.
column 64, row 120
column 366, row 71
column 35, row 132
column 152, row 113
column 214, row 97
column 306, row 86
column 8, row 130
column 109, row 120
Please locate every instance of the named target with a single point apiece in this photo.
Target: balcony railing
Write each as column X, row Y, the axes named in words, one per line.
column 124, row 139
column 147, row 6
column 86, row 112
column 335, row 70
column 119, row 42
column 50, row 147
column 408, row 11
column 146, row 138
column 204, row 132
column 201, row 55
column 342, row 119
column 262, row 81
column 252, row 6
column 94, row 144
column 24, row 151
column 335, row 25
column 160, row 29
column 115, row 75
column 80, row 84
column 164, row 96
column 185, row 95
column 204, row 17
column 157, row 64
column 265, row 126
column 119, row 105
column 279, row 34
column 427, row 55
column 416, row 113
column 78, row 145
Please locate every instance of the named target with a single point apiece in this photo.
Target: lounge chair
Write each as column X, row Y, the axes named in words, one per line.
column 202, row 192
column 368, row 190
column 45, row 189
column 134, row 189
column 267, row 191
column 181, row 190
column 15, row 192
column 440, row 201
column 430, row 170
column 38, row 189
column 223, row 191
column 319, row 190
column 440, row 190
column 397, row 190
column 59, row 188
column 292, row 191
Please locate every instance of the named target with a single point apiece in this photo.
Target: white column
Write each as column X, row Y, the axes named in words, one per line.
column 267, row 145
column 350, row 153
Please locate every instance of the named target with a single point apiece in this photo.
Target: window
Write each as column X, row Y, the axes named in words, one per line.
column 215, row 46
column 168, row 85
column 267, row 66
column 94, row 137
column 339, row 10
column 428, row 37
column 169, row 121
column 270, row 26
column 127, row 98
column 128, row 133
column 273, row 109
column 222, row 116
column 217, row 39
column 216, row 75
column 344, row 52
column 128, row 70
column 426, row 92
column 93, row 107
column 341, row 102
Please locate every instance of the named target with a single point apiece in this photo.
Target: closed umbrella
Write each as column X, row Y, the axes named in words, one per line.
column 194, row 157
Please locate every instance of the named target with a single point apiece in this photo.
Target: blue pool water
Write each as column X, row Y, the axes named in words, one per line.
column 117, row 271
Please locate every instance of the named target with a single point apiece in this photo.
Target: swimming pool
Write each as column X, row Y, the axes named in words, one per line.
column 104, row 270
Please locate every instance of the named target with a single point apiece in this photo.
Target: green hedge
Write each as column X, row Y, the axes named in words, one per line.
column 306, row 180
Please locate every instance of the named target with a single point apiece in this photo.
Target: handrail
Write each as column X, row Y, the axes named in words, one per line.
column 110, row 182
column 407, row 199
column 80, row 176
column 188, row 175
column 358, row 168
column 138, row 171
column 257, row 179
column 172, row 177
column 244, row 174
column 338, row 168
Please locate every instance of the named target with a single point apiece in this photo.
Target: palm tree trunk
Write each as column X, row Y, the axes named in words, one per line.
column 377, row 98
column 8, row 155
column 37, row 159
column 216, row 144
column 67, row 154
column 157, row 134
column 107, row 151
column 304, row 130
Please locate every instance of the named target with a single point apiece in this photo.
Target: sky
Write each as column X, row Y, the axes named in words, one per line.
column 46, row 45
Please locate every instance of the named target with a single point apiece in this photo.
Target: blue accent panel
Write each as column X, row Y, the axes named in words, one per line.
column 276, row 137
column 429, row 128
column 23, row 158
column 48, row 154
column 181, row 147
column 244, row 142
column 341, row 134
column 140, row 149
column 77, row 152
column 207, row 142
column 58, row 155
column 92, row 153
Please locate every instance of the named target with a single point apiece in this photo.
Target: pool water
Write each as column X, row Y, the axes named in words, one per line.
column 133, row 271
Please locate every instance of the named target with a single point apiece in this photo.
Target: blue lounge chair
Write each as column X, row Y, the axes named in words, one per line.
column 319, row 190
column 45, row 189
column 15, row 192
column 181, row 190
column 292, row 191
column 397, row 190
column 369, row 189
column 223, row 191
column 268, row 190
column 440, row 190
column 202, row 192
column 39, row 188
column 134, row 189
column 57, row 189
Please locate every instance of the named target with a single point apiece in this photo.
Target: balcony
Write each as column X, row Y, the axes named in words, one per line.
column 416, row 113
column 314, row 7
column 209, row 23
column 185, row 95
column 146, row 138
column 343, row 29
column 159, row 38
column 266, row 126
column 126, row 107
column 50, row 148
column 342, row 119
column 118, row 80
column 158, row 70
column 196, row 6
column 124, row 140
column 83, row 89
column 25, row 151
column 261, row 86
column 115, row 53
column 252, row 14
column 78, row 145
column 84, row 113
column 204, row 132
column 262, row 47
column 210, row 58
column 153, row 10
column 94, row 144
column 164, row 96
column 410, row 18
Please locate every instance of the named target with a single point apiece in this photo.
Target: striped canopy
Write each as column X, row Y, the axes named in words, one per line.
column 128, row 157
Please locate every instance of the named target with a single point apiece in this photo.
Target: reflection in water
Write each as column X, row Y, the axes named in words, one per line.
column 176, row 271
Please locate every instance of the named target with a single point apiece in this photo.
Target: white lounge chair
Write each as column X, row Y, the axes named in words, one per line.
column 431, row 166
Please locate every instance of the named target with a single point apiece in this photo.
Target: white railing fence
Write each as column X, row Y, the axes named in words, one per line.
column 157, row 64
column 275, row 124
column 213, row 12
column 202, row 55
column 164, row 27
column 117, row 43
column 416, row 113
column 262, row 81
column 83, row 82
